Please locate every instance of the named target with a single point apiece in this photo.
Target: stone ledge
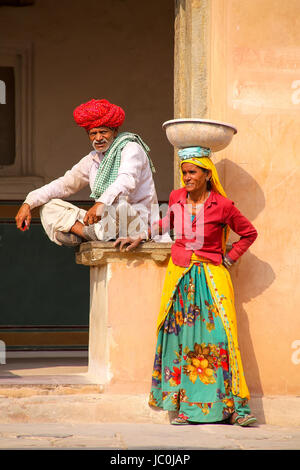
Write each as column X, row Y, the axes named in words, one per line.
column 97, row 253
column 36, row 389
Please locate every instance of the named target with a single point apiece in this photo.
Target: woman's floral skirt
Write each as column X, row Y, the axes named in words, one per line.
column 191, row 371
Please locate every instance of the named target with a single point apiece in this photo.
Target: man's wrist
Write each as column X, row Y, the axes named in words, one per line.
column 99, row 208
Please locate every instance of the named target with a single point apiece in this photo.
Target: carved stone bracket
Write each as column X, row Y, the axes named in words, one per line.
column 96, row 253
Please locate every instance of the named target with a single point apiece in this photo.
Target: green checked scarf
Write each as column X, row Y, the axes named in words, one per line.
column 109, row 167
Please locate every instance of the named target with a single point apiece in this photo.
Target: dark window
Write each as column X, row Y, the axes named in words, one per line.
column 7, row 116
column 17, row 3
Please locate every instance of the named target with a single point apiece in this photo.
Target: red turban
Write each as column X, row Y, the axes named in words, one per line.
column 98, row 113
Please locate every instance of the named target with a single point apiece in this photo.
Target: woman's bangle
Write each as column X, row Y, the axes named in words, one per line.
column 227, row 262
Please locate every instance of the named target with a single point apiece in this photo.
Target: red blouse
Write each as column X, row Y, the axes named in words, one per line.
column 203, row 235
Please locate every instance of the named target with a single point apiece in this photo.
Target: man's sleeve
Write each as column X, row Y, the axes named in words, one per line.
column 72, row 182
column 133, row 159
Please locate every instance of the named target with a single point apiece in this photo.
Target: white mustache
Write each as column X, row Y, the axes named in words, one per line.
column 102, row 141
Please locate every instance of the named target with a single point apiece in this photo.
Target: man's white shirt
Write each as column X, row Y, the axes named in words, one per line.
column 134, row 180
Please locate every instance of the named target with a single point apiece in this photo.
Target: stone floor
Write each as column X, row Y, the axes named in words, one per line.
column 142, row 436
column 51, row 403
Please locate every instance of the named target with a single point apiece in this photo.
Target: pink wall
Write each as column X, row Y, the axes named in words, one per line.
column 255, row 85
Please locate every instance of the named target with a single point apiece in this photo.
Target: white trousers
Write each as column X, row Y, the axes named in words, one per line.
column 119, row 220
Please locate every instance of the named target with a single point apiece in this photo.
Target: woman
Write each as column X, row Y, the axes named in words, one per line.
column 197, row 367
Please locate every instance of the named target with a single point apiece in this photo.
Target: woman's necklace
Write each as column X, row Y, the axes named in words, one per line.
column 196, row 204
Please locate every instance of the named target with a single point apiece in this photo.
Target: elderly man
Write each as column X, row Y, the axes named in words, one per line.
column 119, row 172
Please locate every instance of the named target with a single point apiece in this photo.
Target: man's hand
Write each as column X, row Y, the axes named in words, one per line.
column 130, row 241
column 23, row 217
column 94, row 214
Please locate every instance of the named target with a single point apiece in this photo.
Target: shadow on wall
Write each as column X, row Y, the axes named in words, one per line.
column 240, row 186
column 251, row 276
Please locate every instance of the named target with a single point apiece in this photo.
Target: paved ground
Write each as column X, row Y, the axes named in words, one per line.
column 78, row 421
column 130, row 436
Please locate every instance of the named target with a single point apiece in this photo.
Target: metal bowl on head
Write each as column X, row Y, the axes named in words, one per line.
column 193, row 132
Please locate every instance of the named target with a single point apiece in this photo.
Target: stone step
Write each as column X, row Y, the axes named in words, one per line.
column 91, row 404
column 80, row 407
column 36, row 389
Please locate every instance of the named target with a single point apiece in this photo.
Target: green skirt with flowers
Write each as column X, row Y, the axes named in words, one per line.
column 191, row 371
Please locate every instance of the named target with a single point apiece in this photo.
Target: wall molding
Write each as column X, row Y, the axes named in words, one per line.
column 19, row 54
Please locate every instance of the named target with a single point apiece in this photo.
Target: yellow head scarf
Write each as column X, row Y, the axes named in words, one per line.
column 199, row 156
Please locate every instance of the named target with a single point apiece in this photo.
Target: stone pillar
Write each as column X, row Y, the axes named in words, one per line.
column 125, row 292
column 191, row 62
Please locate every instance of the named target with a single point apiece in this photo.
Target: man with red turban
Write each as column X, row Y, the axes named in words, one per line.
column 119, row 172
